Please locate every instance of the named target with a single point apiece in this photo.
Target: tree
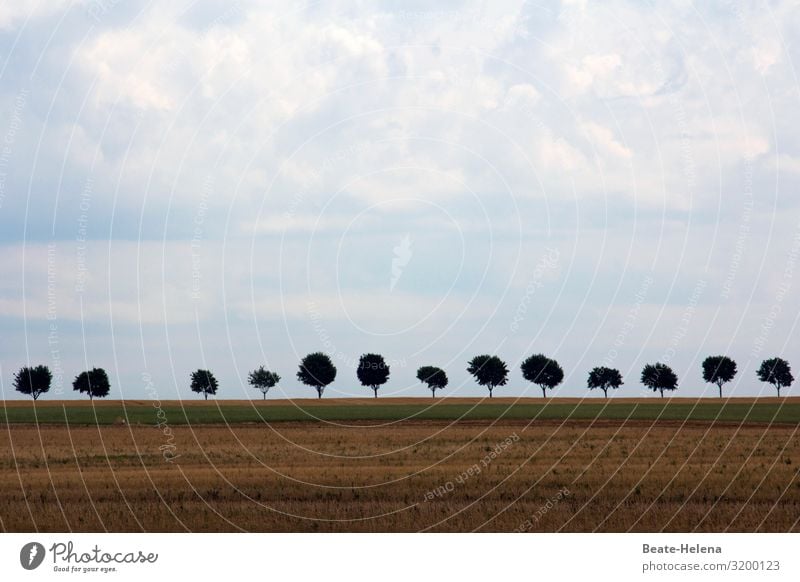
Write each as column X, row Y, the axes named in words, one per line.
column 604, row 378
column 33, row 381
column 718, row 370
column 93, row 382
column 543, row 371
column 434, row 377
column 317, row 371
column 659, row 377
column 263, row 380
column 489, row 371
column 372, row 371
column 204, row 382
column 776, row 371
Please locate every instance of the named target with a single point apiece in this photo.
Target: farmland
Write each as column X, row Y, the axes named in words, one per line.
column 774, row 410
column 402, row 465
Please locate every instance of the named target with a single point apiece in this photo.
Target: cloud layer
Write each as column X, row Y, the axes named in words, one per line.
column 231, row 184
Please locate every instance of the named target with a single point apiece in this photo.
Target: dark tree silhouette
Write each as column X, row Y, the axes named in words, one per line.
column 776, row 371
column 434, row 377
column 317, row 371
column 604, row 378
column 659, row 377
column 372, row 371
column 718, row 370
column 543, row 371
column 263, row 380
column 33, row 381
column 489, row 371
column 93, row 382
column 204, row 382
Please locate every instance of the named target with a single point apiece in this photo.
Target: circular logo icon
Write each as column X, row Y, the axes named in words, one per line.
column 31, row 555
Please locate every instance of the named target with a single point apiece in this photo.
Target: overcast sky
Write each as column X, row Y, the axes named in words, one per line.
column 224, row 185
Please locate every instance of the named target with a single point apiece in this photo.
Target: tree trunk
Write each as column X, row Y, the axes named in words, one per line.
column 720, row 390
column 662, row 392
column 490, row 392
column 319, row 393
column 265, row 395
column 544, row 392
column 206, row 395
column 376, row 392
column 779, row 391
column 605, row 391
column 433, row 393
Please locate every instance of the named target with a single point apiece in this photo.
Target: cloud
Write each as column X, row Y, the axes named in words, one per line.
column 294, row 223
column 134, row 67
column 787, row 163
column 13, row 14
column 603, row 139
column 591, row 70
column 521, row 95
column 221, row 159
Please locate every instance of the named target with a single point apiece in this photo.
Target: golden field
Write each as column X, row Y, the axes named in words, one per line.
column 505, row 475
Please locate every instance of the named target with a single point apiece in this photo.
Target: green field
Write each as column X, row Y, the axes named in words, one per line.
column 783, row 411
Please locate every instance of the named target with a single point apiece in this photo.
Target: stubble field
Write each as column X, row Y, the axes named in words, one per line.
column 414, row 475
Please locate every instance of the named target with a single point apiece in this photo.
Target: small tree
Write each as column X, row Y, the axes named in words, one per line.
column 489, row 371
column 372, row 371
column 434, row 377
column 604, row 378
column 659, row 377
column 204, row 382
column 776, row 371
column 317, row 371
column 263, row 380
column 93, row 382
column 718, row 370
column 543, row 371
column 33, row 381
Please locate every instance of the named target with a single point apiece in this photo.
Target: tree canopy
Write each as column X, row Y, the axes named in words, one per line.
column 718, row 370
column 93, row 382
column 33, row 381
column 204, row 382
column 604, row 378
column 542, row 371
column 776, row 371
column 434, row 377
column 263, row 380
column 317, row 370
column 489, row 371
column 372, row 371
column 659, row 377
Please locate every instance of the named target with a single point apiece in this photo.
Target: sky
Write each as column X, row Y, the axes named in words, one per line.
column 224, row 185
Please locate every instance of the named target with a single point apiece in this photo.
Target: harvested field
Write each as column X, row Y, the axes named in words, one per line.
column 406, row 476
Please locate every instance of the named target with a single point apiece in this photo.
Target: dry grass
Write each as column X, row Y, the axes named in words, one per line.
column 318, row 477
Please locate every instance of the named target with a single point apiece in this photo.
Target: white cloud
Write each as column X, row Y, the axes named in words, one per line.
column 135, row 66
column 603, row 139
column 293, row 223
column 593, row 69
column 19, row 11
column 100, row 280
column 558, row 154
column 521, row 95
column 616, row 128
column 766, row 55
column 787, row 163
